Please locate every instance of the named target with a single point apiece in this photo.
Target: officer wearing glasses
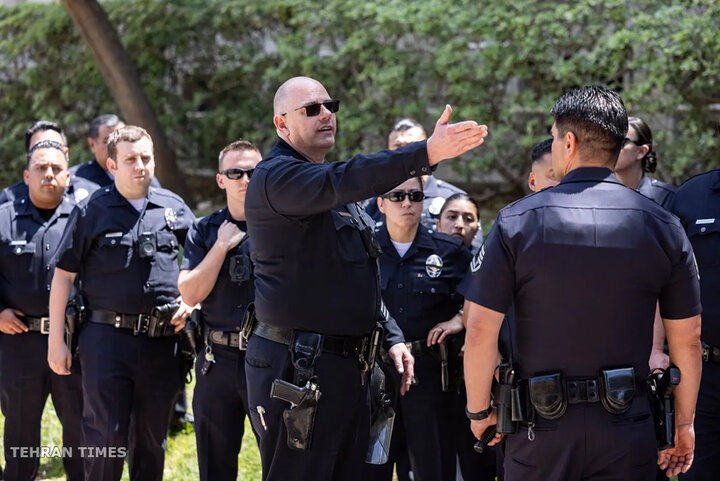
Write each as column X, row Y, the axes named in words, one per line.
column 123, row 245
column 216, row 272
column 30, row 231
column 420, row 270
column 316, row 281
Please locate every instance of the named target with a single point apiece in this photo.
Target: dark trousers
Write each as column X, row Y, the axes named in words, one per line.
column 473, row 466
column 220, row 406
column 340, row 437
column 129, row 383
column 587, row 444
column 25, row 383
column 706, row 464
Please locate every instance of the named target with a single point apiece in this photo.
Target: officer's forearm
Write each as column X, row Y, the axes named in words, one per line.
column 59, row 294
column 195, row 285
column 658, row 332
column 481, row 353
column 683, row 337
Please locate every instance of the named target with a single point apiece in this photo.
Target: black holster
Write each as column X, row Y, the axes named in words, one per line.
column 190, row 343
column 75, row 317
column 159, row 323
column 661, row 385
column 299, row 419
column 247, row 325
column 503, row 399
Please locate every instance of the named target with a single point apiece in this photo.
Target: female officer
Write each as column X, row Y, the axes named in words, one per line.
column 420, row 270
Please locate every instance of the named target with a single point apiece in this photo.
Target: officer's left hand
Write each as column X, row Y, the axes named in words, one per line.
column 479, row 427
column 404, row 364
column 679, row 459
column 441, row 330
column 180, row 316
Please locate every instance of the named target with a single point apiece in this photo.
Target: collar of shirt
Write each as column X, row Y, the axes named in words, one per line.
column 590, row 174
column 23, row 207
column 423, row 240
column 116, row 199
column 283, row 148
column 645, row 182
column 715, row 183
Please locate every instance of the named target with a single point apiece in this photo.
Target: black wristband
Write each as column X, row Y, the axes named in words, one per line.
column 480, row 415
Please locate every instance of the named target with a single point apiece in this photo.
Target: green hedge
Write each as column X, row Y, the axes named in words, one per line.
column 211, row 67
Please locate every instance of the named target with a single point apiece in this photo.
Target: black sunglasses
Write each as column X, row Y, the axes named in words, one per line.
column 399, row 195
column 237, row 173
column 631, row 141
column 311, row 110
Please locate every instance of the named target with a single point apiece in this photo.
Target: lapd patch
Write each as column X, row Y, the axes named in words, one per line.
column 171, row 218
column 433, row 265
column 81, row 194
column 435, row 206
column 477, row 260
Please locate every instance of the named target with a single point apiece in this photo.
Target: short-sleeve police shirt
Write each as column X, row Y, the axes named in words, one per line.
column 585, row 263
column 101, row 244
column 697, row 204
column 225, row 306
column 27, row 246
column 420, row 289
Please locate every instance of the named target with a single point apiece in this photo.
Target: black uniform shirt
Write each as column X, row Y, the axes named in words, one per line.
column 225, row 306
column 93, row 172
column 697, row 204
column 585, row 263
column 420, row 289
column 27, row 246
column 101, row 244
column 312, row 271
column 660, row 192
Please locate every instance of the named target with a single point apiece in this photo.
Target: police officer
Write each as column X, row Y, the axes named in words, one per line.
column 77, row 189
column 420, row 270
column 216, row 271
column 541, row 174
column 316, row 273
column 697, row 203
column 637, row 159
column 30, row 230
column 123, row 245
column 584, row 281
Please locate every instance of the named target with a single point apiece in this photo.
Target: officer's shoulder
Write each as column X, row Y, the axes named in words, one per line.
column 450, row 188
column 700, row 180
column 658, row 184
column 445, row 240
column 168, row 196
column 216, row 217
column 531, row 201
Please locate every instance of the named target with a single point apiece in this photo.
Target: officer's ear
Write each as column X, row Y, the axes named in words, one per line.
column 220, row 179
column 380, row 204
column 280, row 124
column 111, row 165
column 531, row 181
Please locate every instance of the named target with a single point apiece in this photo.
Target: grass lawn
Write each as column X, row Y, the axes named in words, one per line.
column 180, row 459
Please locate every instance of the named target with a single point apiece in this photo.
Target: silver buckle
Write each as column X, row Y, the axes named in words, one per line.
column 705, row 352
column 44, row 325
column 142, row 325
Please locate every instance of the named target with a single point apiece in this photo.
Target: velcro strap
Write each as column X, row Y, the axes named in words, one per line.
column 583, row 390
column 337, row 345
column 122, row 321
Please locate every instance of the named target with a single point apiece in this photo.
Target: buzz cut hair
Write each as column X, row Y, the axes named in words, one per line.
column 128, row 133
column 540, row 149
column 46, row 144
column 406, row 124
column 238, row 145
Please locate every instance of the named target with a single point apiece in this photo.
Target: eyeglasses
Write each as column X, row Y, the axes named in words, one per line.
column 311, row 110
column 631, row 141
column 237, row 173
column 399, row 195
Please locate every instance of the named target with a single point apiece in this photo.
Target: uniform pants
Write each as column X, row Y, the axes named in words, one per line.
column 129, row 383
column 25, row 383
column 587, row 443
column 340, row 436
column 220, row 406
column 706, row 464
column 473, row 466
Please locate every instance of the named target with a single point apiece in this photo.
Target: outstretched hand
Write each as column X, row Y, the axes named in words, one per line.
column 450, row 140
column 679, row 459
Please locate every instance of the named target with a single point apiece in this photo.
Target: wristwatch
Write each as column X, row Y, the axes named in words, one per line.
column 480, row 415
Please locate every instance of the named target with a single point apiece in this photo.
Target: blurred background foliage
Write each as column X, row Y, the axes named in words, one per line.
column 210, row 68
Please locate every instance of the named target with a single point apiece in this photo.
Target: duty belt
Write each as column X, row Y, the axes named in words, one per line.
column 36, row 324
column 225, row 338
column 710, row 353
column 418, row 348
column 338, row 345
column 139, row 323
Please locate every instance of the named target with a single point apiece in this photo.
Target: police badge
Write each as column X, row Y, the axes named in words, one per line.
column 433, row 265
column 436, row 206
column 171, row 218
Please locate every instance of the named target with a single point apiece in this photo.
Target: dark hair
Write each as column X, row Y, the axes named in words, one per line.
column 42, row 125
column 240, row 145
column 419, row 179
column 406, row 124
column 597, row 117
column 460, row 196
column 540, row 149
column 105, row 120
column 644, row 134
column 129, row 133
column 45, row 144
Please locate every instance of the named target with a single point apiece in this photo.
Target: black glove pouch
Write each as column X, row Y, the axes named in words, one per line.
column 547, row 395
column 617, row 389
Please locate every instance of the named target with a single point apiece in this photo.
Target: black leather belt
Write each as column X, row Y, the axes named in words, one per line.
column 36, row 324
column 139, row 323
column 418, row 348
column 583, row 390
column 225, row 338
column 338, row 345
column 710, row 353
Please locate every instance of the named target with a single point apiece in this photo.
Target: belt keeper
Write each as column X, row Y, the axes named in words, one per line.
column 118, row 320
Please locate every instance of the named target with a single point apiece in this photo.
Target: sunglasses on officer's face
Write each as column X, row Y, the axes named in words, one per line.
column 631, row 141
column 311, row 110
column 237, row 173
column 399, row 195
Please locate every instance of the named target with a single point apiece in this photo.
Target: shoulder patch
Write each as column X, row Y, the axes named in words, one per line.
column 477, row 260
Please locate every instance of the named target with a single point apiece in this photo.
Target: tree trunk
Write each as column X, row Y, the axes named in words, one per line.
column 123, row 82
